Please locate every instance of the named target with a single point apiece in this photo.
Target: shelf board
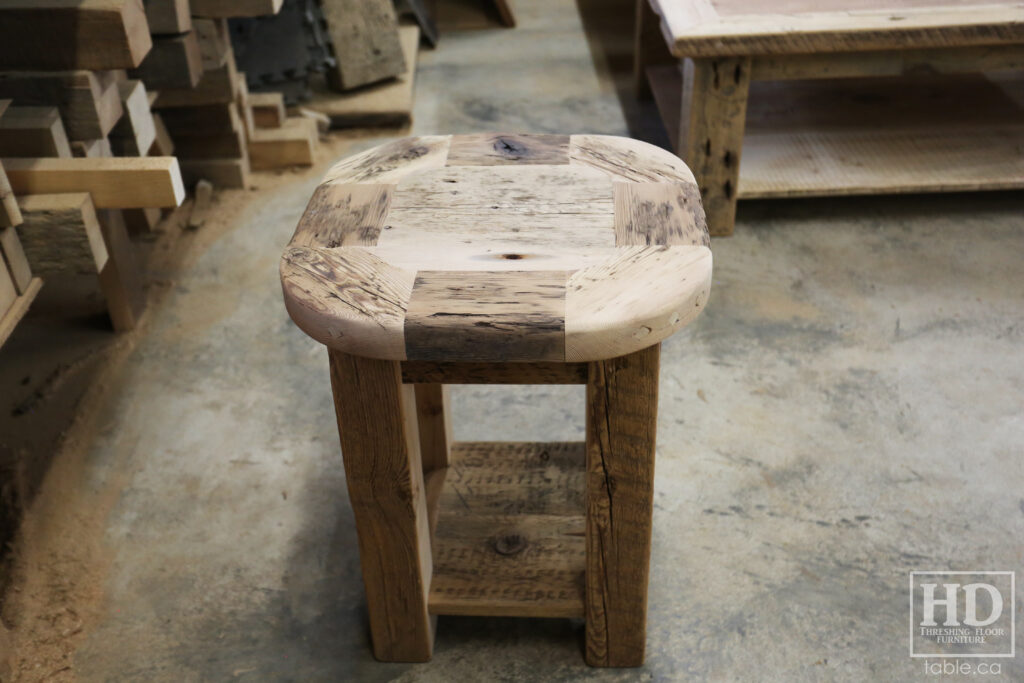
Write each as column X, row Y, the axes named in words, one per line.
column 871, row 135
column 510, row 536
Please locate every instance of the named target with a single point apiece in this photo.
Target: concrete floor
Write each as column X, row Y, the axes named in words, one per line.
column 847, row 409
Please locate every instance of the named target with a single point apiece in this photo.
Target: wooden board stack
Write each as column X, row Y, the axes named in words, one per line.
column 209, row 119
column 17, row 285
column 75, row 136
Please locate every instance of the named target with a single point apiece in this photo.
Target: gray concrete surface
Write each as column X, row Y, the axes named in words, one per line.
column 848, row 408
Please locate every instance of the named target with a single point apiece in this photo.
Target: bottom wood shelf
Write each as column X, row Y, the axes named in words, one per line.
column 863, row 136
column 510, row 536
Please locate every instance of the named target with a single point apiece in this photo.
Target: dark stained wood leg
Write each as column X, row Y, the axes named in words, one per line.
column 711, row 123
column 622, row 410
column 380, row 446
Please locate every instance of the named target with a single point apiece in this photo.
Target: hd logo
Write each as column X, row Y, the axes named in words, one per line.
column 962, row 614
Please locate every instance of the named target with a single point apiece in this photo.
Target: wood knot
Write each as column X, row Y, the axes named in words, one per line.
column 511, row 257
column 509, row 544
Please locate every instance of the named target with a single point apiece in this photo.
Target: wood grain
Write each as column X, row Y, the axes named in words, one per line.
column 510, row 533
column 88, row 108
column 483, row 245
column 135, row 132
column 385, row 483
column 433, row 415
column 712, row 119
column 33, row 132
column 52, row 35
column 343, row 216
column 622, row 411
column 385, row 104
column 909, row 62
column 174, row 62
column 324, row 288
column 732, row 28
column 61, row 234
column 480, row 316
column 642, row 297
column 510, row 209
column 459, row 372
column 659, row 213
column 389, row 163
column 365, row 38
column 625, row 159
column 117, row 183
column 491, row 149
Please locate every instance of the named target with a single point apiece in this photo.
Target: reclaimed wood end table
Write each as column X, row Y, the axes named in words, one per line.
column 500, row 259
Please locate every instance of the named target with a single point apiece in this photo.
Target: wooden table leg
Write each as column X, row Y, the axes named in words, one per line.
column 434, row 418
column 380, row 446
column 712, row 118
column 622, row 410
column 648, row 47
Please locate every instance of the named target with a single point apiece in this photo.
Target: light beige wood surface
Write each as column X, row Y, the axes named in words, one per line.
column 718, row 28
column 234, row 8
column 135, row 133
column 115, row 183
column 33, row 132
column 883, row 136
column 514, row 248
column 73, row 34
column 510, row 531
column 291, row 144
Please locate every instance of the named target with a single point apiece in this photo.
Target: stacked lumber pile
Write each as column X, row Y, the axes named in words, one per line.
column 18, row 287
column 81, row 151
column 201, row 98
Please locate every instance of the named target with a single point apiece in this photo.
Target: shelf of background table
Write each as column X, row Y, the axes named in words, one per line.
column 510, row 531
column 872, row 136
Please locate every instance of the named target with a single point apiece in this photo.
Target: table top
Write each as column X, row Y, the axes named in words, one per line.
column 495, row 247
column 712, row 28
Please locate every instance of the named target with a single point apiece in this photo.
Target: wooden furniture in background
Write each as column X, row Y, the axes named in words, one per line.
column 500, row 259
column 740, row 137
